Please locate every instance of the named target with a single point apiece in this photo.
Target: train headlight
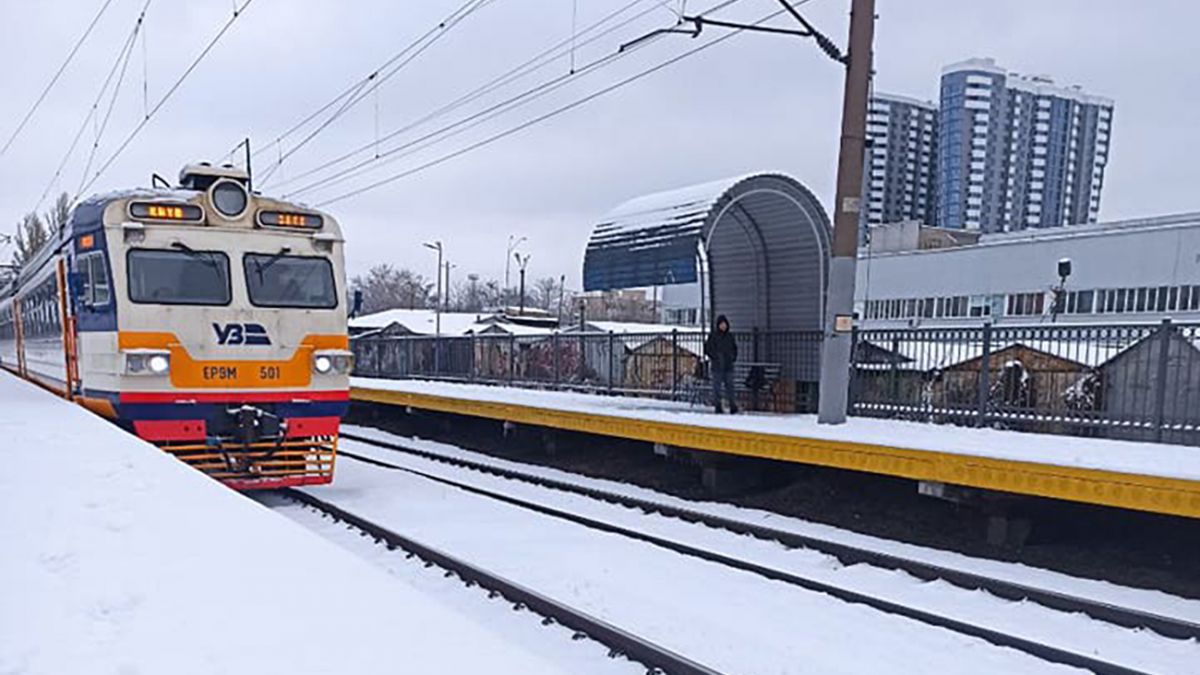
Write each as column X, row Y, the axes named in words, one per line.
column 333, row 361
column 159, row 364
column 343, row 363
column 147, row 363
column 229, row 198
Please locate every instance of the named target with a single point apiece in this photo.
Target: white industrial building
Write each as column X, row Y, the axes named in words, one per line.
column 1122, row 271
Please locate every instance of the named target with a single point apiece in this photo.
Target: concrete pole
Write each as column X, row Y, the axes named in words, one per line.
column 839, row 307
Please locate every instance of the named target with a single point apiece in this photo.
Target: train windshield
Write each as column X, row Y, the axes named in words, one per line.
column 178, row 277
column 289, row 281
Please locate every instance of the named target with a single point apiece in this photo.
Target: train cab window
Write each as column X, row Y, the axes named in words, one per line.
column 94, row 274
column 178, row 277
column 276, row 280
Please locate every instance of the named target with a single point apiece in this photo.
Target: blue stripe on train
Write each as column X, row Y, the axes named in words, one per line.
column 214, row 411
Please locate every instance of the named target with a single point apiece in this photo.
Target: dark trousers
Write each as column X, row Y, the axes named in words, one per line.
column 723, row 378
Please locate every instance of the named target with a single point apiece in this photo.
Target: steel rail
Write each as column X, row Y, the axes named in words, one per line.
column 619, row 642
column 846, row 554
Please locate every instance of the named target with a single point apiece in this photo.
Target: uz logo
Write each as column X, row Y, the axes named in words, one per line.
column 241, row 334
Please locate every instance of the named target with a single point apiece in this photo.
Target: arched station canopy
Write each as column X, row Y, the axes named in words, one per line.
column 765, row 239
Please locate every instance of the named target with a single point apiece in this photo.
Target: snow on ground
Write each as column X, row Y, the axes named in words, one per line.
column 729, row 620
column 1151, row 459
column 1143, row 650
column 116, row 558
column 1152, row 601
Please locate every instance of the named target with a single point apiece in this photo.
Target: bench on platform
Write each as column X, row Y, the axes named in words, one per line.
column 753, row 382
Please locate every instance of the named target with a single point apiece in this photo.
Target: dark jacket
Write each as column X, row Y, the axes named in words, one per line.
column 721, row 347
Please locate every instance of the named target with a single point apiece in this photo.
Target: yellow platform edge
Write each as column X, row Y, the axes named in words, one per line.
column 1171, row 496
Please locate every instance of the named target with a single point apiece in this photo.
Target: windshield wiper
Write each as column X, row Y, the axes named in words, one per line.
column 203, row 256
column 262, row 267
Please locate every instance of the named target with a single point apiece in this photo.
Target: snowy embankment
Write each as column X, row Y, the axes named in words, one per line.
column 1149, row 459
column 116, row 558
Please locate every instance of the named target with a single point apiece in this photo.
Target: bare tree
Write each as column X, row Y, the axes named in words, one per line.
column 31, row 236
column 57, row 217
column 385, row 287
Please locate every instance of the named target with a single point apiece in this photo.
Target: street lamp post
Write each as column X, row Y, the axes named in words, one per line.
column 448, row 266
column 512, row 246
column 522, row 262
column 437, row 308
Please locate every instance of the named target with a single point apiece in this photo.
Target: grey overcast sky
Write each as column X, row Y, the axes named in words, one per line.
column 754, row 102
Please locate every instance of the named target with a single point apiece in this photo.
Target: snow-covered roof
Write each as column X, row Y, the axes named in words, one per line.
column 421, row 321
column 635, row 327
column 652, row 239
column 927, row 355
column 425, row 322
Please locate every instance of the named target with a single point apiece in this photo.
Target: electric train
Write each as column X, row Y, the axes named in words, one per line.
column 207, row 319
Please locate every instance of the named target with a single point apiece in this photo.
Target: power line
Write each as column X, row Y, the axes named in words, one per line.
column 71, row 55
column 112, row 102
column 537, row 62
column 122, row 57
column 237, row 12
column 371, row 82
column 553, row 113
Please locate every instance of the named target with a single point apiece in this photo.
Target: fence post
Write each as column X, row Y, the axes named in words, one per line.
column 894, row 371
column 474, row 357
column 512, row 356
column 554, row 344
column 611, row 343
column 853, row 368
column 1160, row 392
column 985, row 375
column 408, row 367
column 674, row 362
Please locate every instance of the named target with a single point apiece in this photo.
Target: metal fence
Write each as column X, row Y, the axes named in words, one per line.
column 775, row 372
column 1139, row 382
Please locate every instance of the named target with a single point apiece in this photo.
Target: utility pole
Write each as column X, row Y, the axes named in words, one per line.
column 437, row 307
column 446, row 303
column 562, row 290
column 839, row 311
column 521, row 263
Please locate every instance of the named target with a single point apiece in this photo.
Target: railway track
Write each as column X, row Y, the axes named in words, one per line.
column 656, row 658
column 847, row 554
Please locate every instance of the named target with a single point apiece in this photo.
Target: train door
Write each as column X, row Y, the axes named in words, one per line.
column 69, row 335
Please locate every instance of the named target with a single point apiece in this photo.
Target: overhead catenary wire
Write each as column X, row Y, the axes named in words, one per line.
column 533, row 64
column 238, row 12
column 357, row 84
column 375, row 79
column 546, row 116
column 93, row 110
column 112, row 102
column 54, row 80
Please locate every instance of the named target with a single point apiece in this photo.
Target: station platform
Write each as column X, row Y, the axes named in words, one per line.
column 1150, row 477
column 118, row 558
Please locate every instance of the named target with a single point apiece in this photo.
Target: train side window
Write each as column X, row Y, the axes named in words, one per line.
column 96, row 289
column 98, row 280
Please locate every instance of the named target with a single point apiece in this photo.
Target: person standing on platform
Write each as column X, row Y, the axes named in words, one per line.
column 721, row 350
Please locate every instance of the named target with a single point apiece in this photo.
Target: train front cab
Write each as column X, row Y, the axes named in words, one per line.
column 220, row 337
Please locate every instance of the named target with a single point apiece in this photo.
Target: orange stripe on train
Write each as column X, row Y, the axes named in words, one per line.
column 190, row 373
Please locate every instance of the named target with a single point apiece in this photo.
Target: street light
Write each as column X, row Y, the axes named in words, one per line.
column 522, row 263
column 512, row 246
column 448, row 266
column 437, row 329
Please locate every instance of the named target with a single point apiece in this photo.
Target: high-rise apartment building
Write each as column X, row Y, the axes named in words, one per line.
column 901, row 155
column 1017, row 152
